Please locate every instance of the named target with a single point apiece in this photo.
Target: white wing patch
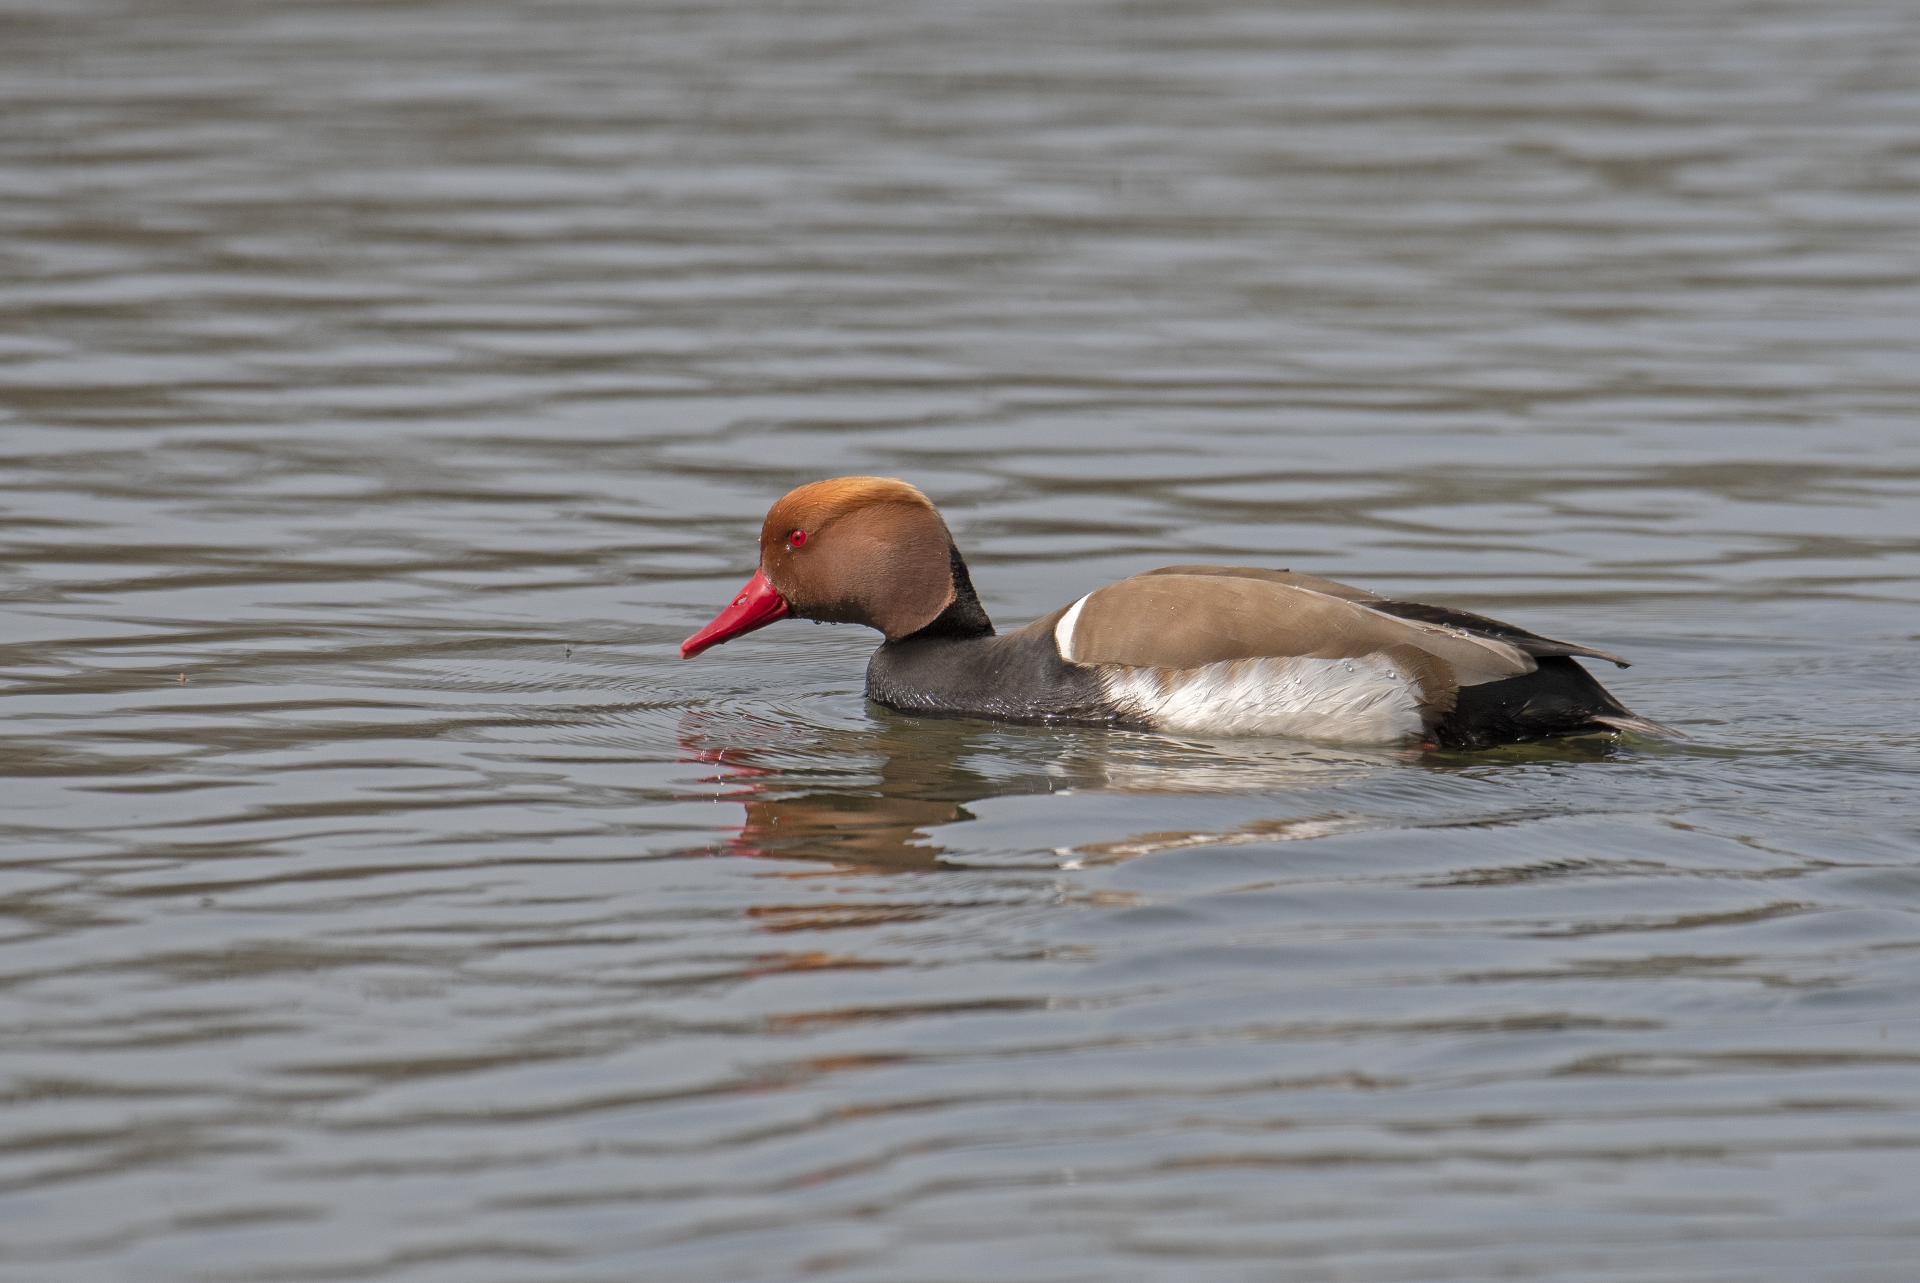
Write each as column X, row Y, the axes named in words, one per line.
column 1342, row 701
column 1063, row 631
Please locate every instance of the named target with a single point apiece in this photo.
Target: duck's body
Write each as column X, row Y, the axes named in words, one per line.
column 1203, row 650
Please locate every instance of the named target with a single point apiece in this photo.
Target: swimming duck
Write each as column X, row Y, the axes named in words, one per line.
column 1201, row 650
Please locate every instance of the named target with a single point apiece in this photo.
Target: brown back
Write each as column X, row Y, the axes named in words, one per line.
column 1332, row 588
column 1171, row 619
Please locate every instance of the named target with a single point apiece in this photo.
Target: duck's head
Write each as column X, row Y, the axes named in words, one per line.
column 853, row 550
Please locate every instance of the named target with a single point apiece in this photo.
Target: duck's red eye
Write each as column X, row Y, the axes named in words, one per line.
column 796, row 539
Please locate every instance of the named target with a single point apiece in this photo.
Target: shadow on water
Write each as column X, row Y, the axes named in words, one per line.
column 912, row 779
column 922, row 782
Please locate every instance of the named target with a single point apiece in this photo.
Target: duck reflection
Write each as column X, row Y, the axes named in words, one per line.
column 875, row 797
column 862, row 798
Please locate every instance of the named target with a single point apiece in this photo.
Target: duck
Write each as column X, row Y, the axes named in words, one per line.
column 1198, row 650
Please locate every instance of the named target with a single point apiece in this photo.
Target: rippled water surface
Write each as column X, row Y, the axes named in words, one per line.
column 389, row 387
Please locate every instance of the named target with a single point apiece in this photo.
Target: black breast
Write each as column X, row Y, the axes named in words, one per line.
column 1016, row 678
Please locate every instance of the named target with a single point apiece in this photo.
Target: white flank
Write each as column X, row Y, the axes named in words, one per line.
column 1063, row 631
column 1342, row 701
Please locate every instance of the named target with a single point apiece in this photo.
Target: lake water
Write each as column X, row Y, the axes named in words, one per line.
column 389, row 387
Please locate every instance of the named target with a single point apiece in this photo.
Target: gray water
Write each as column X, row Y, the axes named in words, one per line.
column 389, row 387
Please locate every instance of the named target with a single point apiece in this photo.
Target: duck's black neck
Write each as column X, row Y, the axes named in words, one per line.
column 964, row 616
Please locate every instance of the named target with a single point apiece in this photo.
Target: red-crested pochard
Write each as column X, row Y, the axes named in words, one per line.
column 1206, row 650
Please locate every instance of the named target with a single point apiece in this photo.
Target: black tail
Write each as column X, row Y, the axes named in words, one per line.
column 1558, row 698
